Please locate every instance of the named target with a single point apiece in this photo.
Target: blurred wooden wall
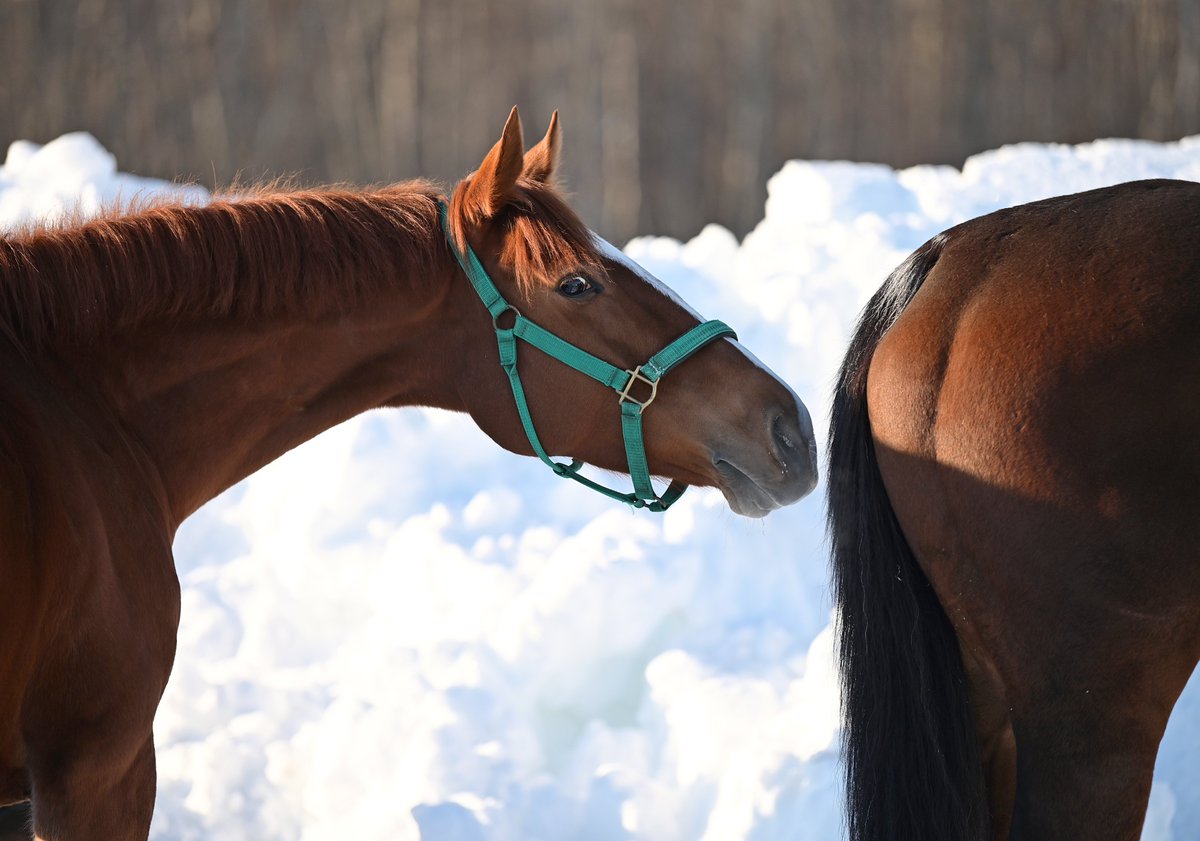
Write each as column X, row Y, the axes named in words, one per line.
column 675, row 111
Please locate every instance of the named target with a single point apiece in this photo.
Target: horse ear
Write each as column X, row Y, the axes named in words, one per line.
column 492, row 185
column 541, row 162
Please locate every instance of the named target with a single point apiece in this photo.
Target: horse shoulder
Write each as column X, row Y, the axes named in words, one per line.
column 91, row 591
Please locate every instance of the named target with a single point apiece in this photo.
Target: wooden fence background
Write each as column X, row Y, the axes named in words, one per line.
column 675, row 111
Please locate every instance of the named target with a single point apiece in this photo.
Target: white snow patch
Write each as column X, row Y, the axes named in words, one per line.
column 71, row 175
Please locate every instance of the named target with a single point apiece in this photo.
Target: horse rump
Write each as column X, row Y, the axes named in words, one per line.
column 911, row 762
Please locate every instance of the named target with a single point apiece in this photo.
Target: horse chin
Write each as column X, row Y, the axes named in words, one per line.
column 752, row 498
column 755, row 506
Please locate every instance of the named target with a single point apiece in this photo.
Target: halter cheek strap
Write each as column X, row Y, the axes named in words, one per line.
column 624, row 382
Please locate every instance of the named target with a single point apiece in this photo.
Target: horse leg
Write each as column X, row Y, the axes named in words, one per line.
column 1070, row 786
column 1088, row 736
column 90, row 755
column 95, row 796
column 1064, row 682
column 997, row 746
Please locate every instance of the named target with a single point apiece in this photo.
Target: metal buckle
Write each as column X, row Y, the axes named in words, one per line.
column 507, row 309
column 636, row 375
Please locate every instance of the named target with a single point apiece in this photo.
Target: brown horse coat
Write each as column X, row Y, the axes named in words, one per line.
column 1028, row 386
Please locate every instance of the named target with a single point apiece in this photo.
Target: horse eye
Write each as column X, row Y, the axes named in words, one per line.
column 575, row 285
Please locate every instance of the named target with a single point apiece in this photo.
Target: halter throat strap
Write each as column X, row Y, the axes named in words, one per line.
column 636, row 388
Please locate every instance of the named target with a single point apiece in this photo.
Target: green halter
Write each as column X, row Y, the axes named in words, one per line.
column 620, row 381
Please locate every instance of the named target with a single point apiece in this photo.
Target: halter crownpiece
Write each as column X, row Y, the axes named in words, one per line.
column 623, row 382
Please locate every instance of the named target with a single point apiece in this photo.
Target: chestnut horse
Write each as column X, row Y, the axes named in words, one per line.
column 153, row 359
column 1015, row 516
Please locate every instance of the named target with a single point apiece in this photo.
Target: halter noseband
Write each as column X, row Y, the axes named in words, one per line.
column 621, row 381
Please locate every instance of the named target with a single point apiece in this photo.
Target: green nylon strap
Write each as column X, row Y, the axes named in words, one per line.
column 508, row 360
column 643, row 496
column 567, row 353
column 685, row 346
column 487, row 291
column 618, row 380
column 635, row 451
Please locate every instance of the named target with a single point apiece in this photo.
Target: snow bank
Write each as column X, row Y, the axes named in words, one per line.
column 401, row 631
column 73, row 174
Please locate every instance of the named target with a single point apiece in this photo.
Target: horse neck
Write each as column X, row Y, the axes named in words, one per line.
column 214, row 393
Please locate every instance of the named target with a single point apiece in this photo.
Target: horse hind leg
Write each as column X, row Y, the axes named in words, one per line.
column 1087, row 743
column 1070, row 790
column 997, row 745
column 106, row 798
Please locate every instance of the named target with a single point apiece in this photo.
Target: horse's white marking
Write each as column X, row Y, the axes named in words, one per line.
column 616, row 255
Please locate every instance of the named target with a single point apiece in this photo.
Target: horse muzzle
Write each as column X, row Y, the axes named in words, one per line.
column 757, row 479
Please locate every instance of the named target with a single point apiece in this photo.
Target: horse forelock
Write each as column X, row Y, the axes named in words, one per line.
column 258, row 251
column 543, row 237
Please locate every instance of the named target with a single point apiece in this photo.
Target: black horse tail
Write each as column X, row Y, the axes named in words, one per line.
column 911, row 761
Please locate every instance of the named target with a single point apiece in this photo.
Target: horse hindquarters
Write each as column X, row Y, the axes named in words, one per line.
column 1034, row 411
column 912, row 769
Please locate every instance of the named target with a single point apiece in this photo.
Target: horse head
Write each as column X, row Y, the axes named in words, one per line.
column 720, row 418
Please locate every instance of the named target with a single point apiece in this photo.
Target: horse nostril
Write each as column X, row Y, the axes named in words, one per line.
column 792, row 436
column 762, row 475
column 783, row 437
column 788, row 437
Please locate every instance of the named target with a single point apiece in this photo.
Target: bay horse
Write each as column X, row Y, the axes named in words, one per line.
column 1014, row 510
column 152, row 359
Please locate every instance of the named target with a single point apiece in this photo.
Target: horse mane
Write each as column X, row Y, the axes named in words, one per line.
column 259, row 252
column 256, row 253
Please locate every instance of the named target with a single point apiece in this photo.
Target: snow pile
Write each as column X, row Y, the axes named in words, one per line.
column 401, row 631
column 73, row 174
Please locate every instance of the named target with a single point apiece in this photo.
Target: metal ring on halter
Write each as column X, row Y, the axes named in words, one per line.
column 507, row 308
